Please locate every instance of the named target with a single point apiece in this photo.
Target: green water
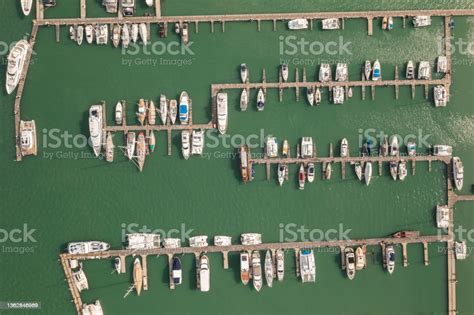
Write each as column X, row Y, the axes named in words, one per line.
column 65, row 198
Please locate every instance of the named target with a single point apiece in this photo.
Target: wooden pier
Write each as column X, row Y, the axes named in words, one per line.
column 76, row 297
column 19, row 91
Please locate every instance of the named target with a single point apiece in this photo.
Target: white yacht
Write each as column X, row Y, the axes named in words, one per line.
column 101, row 34
column 271, row 147
column 411, row 148
column 222, row 117
column 458, row 172
column 325, row 72
column 95, row 128
column 280, row 264
column 394, row 146
column 16, row 62
column 222, row 240
column 393, row 169
column 80, row 34
column 134, row 33
column 111, row 6
column 260, row 100
column 410, row 72
column 143, row 32
column 376, row 71
column 128, row 7
column 442, row 64
column 338, row 95
column 251, row 238
column 143, row 241
column 109, row 148
column 282, row 173
column 257, row 271
column 92, row 309
column 424, row 70
column 442, row 217
column 298, row 24
column 244, row 267
column 421, row 20
column 390, row 258
column 360, row 258
column 26, row 6
column 307, row 265
column 119, row 113
column 244, row 72
column 317, row 96
column 116, row 34
column 87, row 247
column 460, row 250
column 80, row 280
column 198, row 241
column 269, row 268
column 402, row 170
column 204, row 274
column 163, row 111
column 344, row 148
column 350, row 262
column 171, row 243
column 125, row 36
column 342, row 73
column 442, row 150
column 307, row 147
column 284, row 72
column 331, row 24
column 186, row 144
column 197, row 142
column 440, row 96
column 173, row 110
column 310, row 172
column 28, row 144
column 89, row 30
column 368, row 173
column 184, row 108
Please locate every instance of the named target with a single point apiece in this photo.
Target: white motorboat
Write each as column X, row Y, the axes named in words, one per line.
column 310, row 95
column 440, row 96
column 298, row 24
column 350, row 262
column 26, row 6
column 16, row 62
column 89, row 33
column 251, row 238
column 186, row 144
column 402, row 170
column 368, row 173
column 280, row 264
column 344, row 148
column 458, row 172
column 284, row 72
column 130, row 146
column 119, row 113
column 424, row 70
column 244, row 100
column 260, row 100
column 143, row 32
column 222, row 117
column 204, row 274
column 244, row 267
column 310, row 172
column 307, row 265
column 325, row 72
column 244, row 73
column 197, row 142
column 376, row 71
column 390, row 258
column 95, row 128
column 331, row 24
column 134, row 33
column 257, row 271
column 79, row 34
column 442, row 217
column 269, row 268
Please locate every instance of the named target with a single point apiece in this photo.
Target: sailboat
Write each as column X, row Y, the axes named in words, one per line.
column 317, row 96
column 137, row 276
column 260, row 100
column 141, row 151
column 269, row 268
column 130, row 147
column 173, row 110
column 310, row 95
column 134, row 33
column 284, row 72
column 109, row 148
column 244, row 100
column 152, row 141
column 280, row 265
column 163, row 109
column 80, row 34
column 89, row 33
column 358, row 170
column 125, row 36
column 368, row 173
column 142, row 30
column 141, row 114
column 26, row 6
column 367, row 69
column 151, row 113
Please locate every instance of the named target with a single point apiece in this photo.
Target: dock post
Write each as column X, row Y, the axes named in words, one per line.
column 274, row 25
column 425, row 254
column 343, row 170
column 397, row 87
column 169, row 140
column 331, row 153
column 223, row 26
column 212, row 26
column 198, row 270
column 404, row 22
column 225, row 258
column 158, row 8
column 297, row 89
column 429, row 166
column 372, row 89
column 297, row 260
column 384, row 258
column 258, row 25
column 413, row 90
column 362, row 88
column 370, row 26
column 268, row 170
column 413, row 167
column 145, row 272
column 58, row 34
column 342, row 23
column 39, row 10
column 123, row 268
column 380, row 168
column 311, row 24
column 196, row 24
column 343, row 258
column 304, row 74
column 426, row 91
column 404, row 254
column 83, row 9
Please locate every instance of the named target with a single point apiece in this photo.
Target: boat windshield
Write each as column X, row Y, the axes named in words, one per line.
column 183, row 109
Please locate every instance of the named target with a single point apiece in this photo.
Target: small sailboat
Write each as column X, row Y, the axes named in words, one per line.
column 152, row 141
column 141, row 114
column 109, row 148
column 402, row 170
column 269, row 268
column 72, row 33
column 280, row 264
column 134, row 33
column 244, row 73
column 204, row 273
column 149, row 3
column 328, row 171
column 118, row 113
column 393, row 169
column 301, row 177
column 163, row 109
column 137, row 276
column 367, row 69
column 244, row 100
column 384, row 23
column 410, row 72
column 260, row 100
column 130, row 147
column 390, row 23
column 349, row 93
column 80, row 34
column 368, row 173
column 384, row 147
column 310, row 172
column 141, row 151
column 310, row 95
column 317, row 96
column 344, row 148
column 177, row 28
column 186, row 143
column 118, row 265
column 244, row 267
column 358, row 170
column 116, row 32
column 376, row 71
column 151, row 113
column 26, row 6
column 143, row 31
column 284, row 72
column 89, row 34
column 286, row 148
column 125, row 36
column 173, row 111
column 394, row 147
column 257, row 271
